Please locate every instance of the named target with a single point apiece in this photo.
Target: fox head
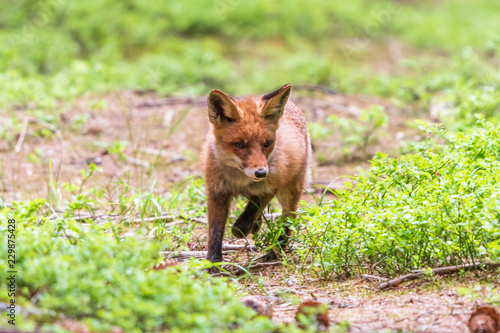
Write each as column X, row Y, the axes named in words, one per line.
column 245, row 131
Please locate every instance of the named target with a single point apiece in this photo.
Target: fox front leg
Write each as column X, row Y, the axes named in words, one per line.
column 250, row 220
column 218, row 210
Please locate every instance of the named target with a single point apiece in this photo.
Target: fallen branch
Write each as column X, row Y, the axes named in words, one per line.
column 226, row 249
column 167, row 219
column 436, row 271
column 183, row 255
column 136, row 161
column 372, row 278
column 170, row 219
column 234, row 247
column 163, row 218
column 20, row 141
column 49, row 126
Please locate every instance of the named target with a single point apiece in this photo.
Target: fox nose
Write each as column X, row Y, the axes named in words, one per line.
column 261, row 173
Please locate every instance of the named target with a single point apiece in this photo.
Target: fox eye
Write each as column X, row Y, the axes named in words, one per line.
column 240, row 145
column 268, row 143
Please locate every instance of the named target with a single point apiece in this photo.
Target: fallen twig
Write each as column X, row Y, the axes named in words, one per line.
column 170, row 219
column 372, row 278
column 163, row 218
column 226, row 249
column 436, row 271
column 20, row 141
column 193, row 219
column 235, row 247
column 183, row 255
column 50, row 127
column 136, row 161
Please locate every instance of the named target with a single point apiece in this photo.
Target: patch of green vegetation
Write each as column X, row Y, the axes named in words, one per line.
column 476, row 293
column 53, row 49
column 355, row 137
column 105, row 279
column 437, row 205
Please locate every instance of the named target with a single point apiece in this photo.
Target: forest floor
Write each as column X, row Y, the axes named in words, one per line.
column 164, row 137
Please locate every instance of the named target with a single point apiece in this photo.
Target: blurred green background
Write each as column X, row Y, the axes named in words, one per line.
column 436, row 60
column 52, row 49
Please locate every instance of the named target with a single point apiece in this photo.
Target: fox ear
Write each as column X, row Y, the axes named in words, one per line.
column 275, row 102
column 221, row 108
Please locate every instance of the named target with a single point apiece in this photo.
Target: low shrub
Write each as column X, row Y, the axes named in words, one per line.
column 438, row 205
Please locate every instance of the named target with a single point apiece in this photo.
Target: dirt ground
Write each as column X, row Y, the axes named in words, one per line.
column 418, row 307
column 423, row 306
column 168, row 133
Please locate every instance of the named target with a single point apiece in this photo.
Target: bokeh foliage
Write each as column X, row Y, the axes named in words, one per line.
column 58, row 49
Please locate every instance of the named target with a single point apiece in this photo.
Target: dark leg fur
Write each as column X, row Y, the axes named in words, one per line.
column 250, row 220
column 218, row 210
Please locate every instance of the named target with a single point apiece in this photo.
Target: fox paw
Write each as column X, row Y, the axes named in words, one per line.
column 244, row 226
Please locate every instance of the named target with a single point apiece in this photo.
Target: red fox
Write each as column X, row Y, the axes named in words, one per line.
column 257, row 148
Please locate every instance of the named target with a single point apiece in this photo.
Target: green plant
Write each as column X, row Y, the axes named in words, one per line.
column 51, row 49
column 105, row 281
column 479, row 292
column 355, row 137
column 435, row 206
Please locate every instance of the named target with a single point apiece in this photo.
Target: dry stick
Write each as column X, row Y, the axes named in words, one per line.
column 136, row 161
column 170, row 219
column 373, row 278
column 230, row 247
column 167, row 218
column 435, row 271
column 182, row 255
column 226, row 249
column 51, row 127
column 19, row 143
